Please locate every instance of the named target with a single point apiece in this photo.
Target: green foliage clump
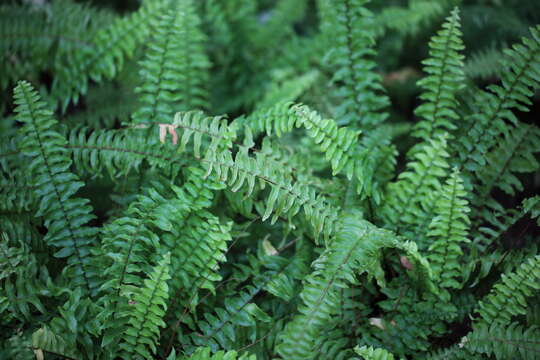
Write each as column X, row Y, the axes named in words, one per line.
column 253, row 179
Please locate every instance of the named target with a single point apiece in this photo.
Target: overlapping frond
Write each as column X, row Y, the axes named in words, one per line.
column 205, row 353
column 513, row 155
column 22, row 281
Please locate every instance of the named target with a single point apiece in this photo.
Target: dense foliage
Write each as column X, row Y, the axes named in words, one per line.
column 253, row 179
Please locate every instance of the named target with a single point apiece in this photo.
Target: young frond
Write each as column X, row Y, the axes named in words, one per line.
column 338, row 143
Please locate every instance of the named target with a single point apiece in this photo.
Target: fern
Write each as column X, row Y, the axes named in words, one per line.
column 205, row 354
column 230, row 180
column 413, row 193
column 356, row 249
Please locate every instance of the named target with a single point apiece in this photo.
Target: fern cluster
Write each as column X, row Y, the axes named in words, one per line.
column 238, row 180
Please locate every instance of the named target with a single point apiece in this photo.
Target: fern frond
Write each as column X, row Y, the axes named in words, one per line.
column 513, row 155
column 45, row 340
column 110, row 47
column 119, row 153
column 351, row 59
column 449, row 230
column 410, row 198
column 175, row 69
column 512, row 341
column 355, row 250
column 205, row 353
column 195, row 124
column 65, row 215
column 34, row 37
column 285, row 196
column 146, row 314
column 16, row 192
column 370, row 353
column 22, row 280
column 508, row 297
column 219, row 328
column 76, row 321
column 336, row 142
column 484, row 64
column 445, row 77
column 197, row 240
column 519, row 80
column 411, row 20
